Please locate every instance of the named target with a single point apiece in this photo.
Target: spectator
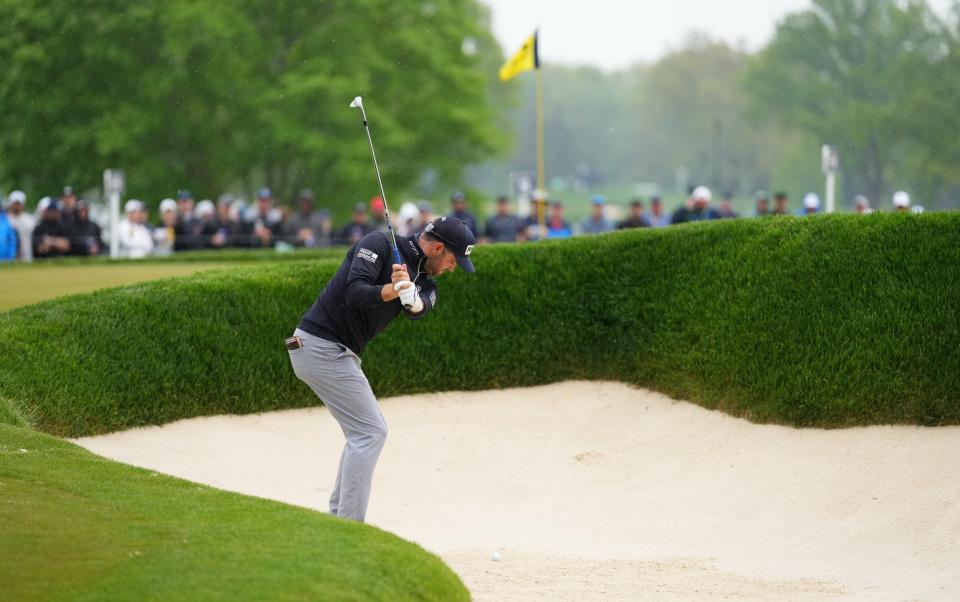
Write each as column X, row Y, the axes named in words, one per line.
column 238, row 209
column 378, row 214
column 699, row 208
column 265, row 225
column 901, row 201
column 557, row 227
column 538, row 208
column 22, row 222
column 726, row 207
column 596, row 223
column 762, row 202
column 357, row 228
column 503, row 226
column 781, row 204
column 636, row 218
column 50, row 237
column 811, row 204
column 861, row 205
column 68, row 207
column 187, row 229
column 460, row 212
column 307, row 227
column 135, row 240
column 9, row 241
column 165, row 234
column 657, row 218
column 85, row 234
column 408, row 219
column 207, row 219
column 426, row 212
column 225, row 231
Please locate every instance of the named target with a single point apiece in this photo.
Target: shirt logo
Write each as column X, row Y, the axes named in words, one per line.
column 368, row 255
column 468, row 250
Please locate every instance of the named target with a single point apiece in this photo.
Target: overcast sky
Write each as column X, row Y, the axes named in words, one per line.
column 612, row 34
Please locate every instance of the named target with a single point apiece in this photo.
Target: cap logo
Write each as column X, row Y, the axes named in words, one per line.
column 468, row 250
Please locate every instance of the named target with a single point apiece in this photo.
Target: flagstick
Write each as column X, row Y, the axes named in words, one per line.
column 541, row 176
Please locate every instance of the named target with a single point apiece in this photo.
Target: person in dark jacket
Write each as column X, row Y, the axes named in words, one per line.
column 51, row 238
column 85, row 234
column 504, row 226
column 459, row 201
column 698, row 208
column 363, row 297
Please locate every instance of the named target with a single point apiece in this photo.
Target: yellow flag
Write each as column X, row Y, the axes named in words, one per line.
column 526, row 58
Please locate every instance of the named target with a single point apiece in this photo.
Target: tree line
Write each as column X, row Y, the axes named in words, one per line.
column 221, row 95
column 218, row 94
column 878, row 79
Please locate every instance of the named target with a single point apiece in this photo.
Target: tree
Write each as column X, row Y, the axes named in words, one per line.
column 214, row 94
column 686, row 110
column 842, row 72
column 690, row 111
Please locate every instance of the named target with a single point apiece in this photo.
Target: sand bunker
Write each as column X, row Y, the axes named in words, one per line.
column 599, row 491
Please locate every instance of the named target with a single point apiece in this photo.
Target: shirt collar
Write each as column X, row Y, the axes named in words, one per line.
column 411, row 248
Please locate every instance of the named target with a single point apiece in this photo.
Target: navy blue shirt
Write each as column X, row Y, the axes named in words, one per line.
column 350, row 309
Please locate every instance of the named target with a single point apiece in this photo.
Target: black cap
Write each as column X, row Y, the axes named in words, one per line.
column 457, row 237
column 184, row 195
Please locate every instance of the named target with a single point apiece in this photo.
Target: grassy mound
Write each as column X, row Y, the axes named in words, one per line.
column 823, row 321
column 78, row 527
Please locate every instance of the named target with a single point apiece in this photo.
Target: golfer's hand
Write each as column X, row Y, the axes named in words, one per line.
column 408, row 293
column 399, row 274
column 389, row 291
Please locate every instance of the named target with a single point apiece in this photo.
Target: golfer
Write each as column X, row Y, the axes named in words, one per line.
column 366, row 293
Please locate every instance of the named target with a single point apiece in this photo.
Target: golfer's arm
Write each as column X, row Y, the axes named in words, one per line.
column 363, row 290
column 363, row 295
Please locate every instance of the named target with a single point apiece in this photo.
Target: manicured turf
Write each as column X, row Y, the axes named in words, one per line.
column 74, row 526
column 823, row 321
column 25, row 284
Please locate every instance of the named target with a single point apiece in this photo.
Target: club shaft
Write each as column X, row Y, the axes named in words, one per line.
column 383, row 195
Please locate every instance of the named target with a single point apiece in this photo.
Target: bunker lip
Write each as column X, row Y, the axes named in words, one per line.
column 590, row 487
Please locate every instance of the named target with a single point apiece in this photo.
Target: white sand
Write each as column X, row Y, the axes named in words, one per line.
column 599, row 491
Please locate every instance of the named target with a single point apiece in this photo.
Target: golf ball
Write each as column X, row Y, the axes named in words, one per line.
column 495, row 556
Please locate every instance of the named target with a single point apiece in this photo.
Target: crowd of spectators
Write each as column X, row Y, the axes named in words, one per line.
column 63, row 226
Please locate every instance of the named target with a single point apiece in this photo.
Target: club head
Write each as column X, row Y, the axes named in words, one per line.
column 357, row 103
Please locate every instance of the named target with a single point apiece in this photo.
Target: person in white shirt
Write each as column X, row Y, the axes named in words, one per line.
column 135, row 239
column 23, row 223
column 165, row 234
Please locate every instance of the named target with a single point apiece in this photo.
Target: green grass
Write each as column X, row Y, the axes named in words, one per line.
column 27, row 284
column 825, row 321
column 78, row 527
column 208, row 255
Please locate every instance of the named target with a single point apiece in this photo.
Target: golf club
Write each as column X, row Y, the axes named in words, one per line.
column 358, row 104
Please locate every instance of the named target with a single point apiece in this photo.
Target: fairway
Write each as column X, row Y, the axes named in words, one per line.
column 24, row 285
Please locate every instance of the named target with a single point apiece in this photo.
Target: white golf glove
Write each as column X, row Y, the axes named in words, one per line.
column 408, row 296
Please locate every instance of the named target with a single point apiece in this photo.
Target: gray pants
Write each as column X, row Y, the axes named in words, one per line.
column 334, row 374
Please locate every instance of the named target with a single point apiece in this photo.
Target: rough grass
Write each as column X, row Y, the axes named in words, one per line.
column 78, row 527
column 824, row 321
